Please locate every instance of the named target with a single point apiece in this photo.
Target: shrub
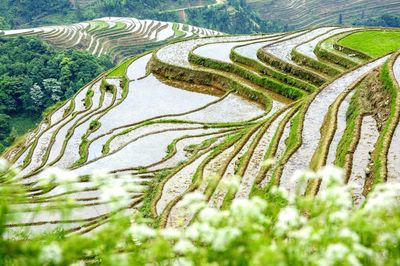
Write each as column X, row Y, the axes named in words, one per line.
column 277, row 228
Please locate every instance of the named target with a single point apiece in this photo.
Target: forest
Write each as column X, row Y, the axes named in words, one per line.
column 34, row 76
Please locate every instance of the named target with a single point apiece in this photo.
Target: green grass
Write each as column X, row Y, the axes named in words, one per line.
column 23, row 123
column 374, row 43
column 178, row 33
column 20, row 125
column 120, row 70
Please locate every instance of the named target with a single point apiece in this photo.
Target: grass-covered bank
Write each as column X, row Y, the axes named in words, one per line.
column 374, row 43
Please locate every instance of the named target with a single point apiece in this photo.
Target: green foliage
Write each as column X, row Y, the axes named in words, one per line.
column 272, row 84
column 353, row 114
column 294, row 70
column 4, row 24
column 120, row 70
column 88, row 98
column 386, row 133
column 272, row 72
column 385, row 20
column 326, row 52
column 94, row 125
column 375, row 43
column 34, row 76
column 5, row 128
column 25, row 11
column 318, row 65
column 274, row 228
column 178, row 33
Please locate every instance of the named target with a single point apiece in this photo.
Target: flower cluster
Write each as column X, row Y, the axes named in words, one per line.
column 275, row 228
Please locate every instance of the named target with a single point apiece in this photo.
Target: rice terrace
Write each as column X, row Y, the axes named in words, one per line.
column 193, row 112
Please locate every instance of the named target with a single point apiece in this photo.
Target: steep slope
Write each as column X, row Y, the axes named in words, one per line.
column 205, row 113
column 118, row 37
column 301, row 14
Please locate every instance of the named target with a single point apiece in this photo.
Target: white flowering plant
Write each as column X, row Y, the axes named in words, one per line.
column 273, row 228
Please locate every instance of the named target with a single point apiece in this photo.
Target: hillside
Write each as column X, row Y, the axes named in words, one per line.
column 119, row 38
column 230, row 16
column 300, row 14
column 196, row 115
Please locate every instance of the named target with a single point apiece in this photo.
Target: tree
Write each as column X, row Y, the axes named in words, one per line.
column 4, row 25
column 340, row 20
column 37, row 97
column 4, row 126
column 52, row 87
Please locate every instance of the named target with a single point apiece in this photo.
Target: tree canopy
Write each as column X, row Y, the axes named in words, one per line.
column 33, row 76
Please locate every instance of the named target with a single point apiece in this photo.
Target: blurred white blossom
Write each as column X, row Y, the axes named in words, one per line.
column 54, row 175
column 331, row 175
column 184, row 246
column 51, row 254
column 288, row 218
column 4, row 165
column 142, row 232
column 193, row 201
column 231, row 183
column 384, row 196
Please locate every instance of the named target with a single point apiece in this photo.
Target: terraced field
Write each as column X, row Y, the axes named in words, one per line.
column 205, row 113
column 120, row 38
column 301, row 14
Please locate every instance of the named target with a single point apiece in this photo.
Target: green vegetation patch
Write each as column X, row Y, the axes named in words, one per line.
column 374, row 43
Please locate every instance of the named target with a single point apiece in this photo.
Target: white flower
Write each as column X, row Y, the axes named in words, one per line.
column 184, row 246
column 358, row 248
column 302, row 176
column 283, row 193
column 114, row 194
column 142, row 232
column 231, row 183
column 100, row 177
column 384, row 197
column 190, row 198
column 337, row 196
column 338, row 216
column 136, row 188
column 120, row 259
column 193, row 201
column 207, row 232
column 353, row 261
column 171, row 233
column 302, row 234
column 4, row 165
column 210, row 215
column 243, row 210
column 332, row 175
column 349, row 234
column 259, row 202
column 54, row 175
column 192, row 232
column 225, row 236
column 336, row 252
column 288, row 218
column 51, row 254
